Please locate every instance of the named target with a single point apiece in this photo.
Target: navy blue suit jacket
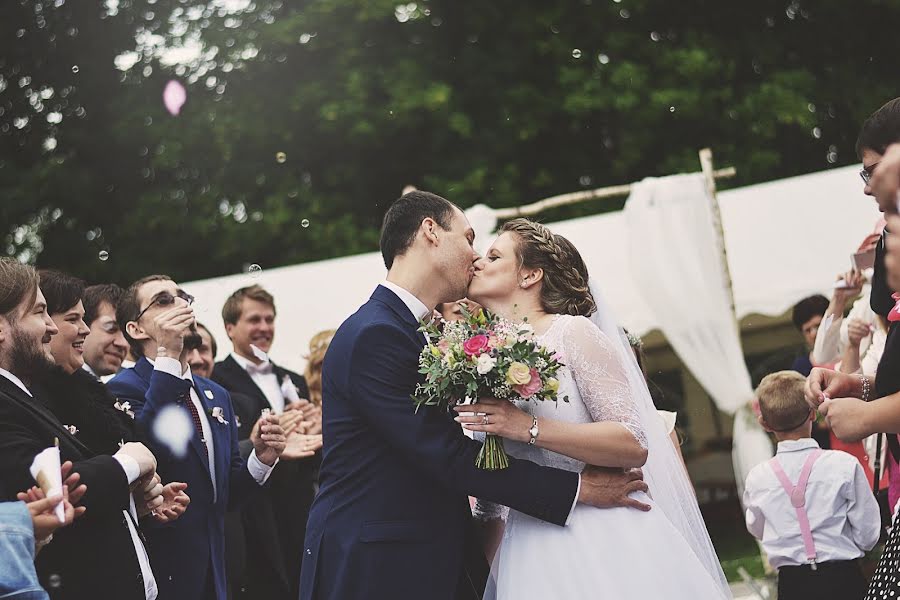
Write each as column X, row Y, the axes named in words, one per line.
column 182, row 552
column 392, row 513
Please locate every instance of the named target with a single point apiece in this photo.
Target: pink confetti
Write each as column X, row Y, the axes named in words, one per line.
column 174, row 97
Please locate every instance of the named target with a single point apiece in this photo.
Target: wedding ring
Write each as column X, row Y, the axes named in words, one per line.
column 485, row 420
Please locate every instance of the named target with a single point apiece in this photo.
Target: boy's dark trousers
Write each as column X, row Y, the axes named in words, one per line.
column 835, row 580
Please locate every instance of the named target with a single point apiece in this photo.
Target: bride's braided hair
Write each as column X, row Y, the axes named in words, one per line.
column 565, row 285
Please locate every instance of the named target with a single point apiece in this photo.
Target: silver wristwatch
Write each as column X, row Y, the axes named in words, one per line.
column 533, row 431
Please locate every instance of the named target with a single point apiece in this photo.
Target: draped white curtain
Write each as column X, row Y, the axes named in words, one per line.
column 677, row 266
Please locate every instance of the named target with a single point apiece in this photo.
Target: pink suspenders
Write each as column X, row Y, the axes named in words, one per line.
column 797, row 494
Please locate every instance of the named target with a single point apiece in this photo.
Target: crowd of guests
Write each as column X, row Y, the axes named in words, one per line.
column 95, row 371
column 823, row 501
column 98, row 372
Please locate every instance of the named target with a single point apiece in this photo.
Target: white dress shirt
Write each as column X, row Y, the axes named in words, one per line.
column 132, row 472
column 420, row 311
column 843, row 514
column 258, row 470
column 267, row 382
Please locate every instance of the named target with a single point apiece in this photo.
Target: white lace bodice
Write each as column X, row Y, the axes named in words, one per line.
column 595, row 383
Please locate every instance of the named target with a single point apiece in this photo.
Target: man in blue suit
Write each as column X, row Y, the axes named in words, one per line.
column 391, row 520
column 188, row 555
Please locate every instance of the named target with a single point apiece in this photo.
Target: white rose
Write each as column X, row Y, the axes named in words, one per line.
column 485, row 364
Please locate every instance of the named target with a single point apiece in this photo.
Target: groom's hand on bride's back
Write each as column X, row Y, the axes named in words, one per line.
column 606, row 487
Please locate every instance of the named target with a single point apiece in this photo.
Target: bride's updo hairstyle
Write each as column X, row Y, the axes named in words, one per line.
column 565, row 285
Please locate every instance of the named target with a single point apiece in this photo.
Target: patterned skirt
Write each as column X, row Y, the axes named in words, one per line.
column 886, row 581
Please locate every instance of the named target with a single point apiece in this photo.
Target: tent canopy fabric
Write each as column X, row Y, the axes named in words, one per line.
column 785, row 240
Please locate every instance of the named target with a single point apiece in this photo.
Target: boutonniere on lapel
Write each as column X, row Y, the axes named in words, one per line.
column 218, row 414
column 71, row 429
column 125, row 407
column 289, row 390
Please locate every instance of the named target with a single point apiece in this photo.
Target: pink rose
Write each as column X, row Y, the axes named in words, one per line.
column 476, row 345
column 443, row 345
column 527, row 390
column 493, row 342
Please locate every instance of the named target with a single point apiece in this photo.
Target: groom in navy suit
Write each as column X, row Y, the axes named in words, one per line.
column 188, row 555
column 391, row 520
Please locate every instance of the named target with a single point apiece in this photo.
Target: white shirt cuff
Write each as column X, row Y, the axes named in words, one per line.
column 577, row 493
column 130, row 466
column 168, row 365
column 258, row 469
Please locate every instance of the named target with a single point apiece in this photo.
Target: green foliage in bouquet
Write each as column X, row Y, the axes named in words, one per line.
column 483, row 355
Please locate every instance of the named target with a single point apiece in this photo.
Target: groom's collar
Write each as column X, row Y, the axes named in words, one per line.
column 416, row 307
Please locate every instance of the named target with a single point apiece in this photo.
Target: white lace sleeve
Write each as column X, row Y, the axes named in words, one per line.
column 600, row 376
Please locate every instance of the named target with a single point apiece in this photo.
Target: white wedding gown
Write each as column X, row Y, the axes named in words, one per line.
column 615, row 553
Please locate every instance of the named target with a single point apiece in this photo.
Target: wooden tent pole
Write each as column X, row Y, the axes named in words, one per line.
column 706, row 164
column 575, row 197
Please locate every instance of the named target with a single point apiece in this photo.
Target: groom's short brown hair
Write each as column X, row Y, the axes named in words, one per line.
column 403, row 218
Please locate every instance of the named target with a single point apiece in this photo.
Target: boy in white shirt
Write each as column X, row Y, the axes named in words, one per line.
column 812, row 509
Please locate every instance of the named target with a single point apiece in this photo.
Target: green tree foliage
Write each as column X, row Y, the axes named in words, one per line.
column 325, row 109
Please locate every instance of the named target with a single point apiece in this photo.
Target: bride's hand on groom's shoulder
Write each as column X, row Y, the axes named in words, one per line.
column 605, row 487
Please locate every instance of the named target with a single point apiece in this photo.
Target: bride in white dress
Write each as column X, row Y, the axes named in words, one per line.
column 529, row 274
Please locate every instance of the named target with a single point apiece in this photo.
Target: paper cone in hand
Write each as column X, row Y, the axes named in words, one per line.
column 46, row 471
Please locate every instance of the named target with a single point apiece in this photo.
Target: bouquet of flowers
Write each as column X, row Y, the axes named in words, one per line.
column 483, row 355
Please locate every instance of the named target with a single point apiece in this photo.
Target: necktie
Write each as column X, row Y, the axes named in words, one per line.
column 195, row 417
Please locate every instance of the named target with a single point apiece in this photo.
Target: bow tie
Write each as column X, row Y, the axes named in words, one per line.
column 263, row 368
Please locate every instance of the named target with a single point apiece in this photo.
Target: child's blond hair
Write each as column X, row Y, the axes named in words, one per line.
column 781, row 400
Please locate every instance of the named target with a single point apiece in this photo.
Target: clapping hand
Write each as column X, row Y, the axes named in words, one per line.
column 857, row 331
column 174, row 502
column 311, row 421
column 76, row 491
column 43, row 513
column 148, row 494
column 268, row 439
column 301, row 445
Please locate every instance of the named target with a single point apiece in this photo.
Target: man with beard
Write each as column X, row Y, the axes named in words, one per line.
column 188, row 555
column 100, row 551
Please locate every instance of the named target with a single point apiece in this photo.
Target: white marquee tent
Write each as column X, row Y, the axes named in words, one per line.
column 785, row 239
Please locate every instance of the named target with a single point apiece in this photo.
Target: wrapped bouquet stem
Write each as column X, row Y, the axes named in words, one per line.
column 481, row 356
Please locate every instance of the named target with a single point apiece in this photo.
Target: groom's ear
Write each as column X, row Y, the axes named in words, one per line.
column 429, row 228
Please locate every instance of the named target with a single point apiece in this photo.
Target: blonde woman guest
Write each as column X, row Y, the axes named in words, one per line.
column 318, row 346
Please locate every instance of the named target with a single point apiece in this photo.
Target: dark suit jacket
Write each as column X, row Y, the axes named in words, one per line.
column 94, row 556
column 391, row 516
column 274, row 523
column 184, row 551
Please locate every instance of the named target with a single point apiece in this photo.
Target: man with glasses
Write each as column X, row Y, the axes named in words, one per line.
column 105, row 347
column 188, row 556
